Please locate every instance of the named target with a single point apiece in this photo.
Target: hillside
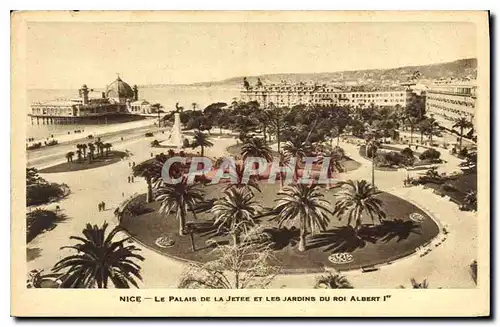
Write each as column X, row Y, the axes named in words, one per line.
column 457, row 69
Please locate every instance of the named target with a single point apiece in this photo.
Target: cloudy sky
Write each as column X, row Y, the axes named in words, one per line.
column 66, row 55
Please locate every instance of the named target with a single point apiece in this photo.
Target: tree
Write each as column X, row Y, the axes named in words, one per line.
column 470, row 200
column 201, row 140
column 179, row 198
column 298, row 149
column 100, row 259
column 256, row 147
column 357, row 198
column 235, row 212
column 91, row 152
column 237, row 174
column 151, row 171
column 69, row 156
column 79, row 154
column 428, row 126
column 305, row 205
column 332, row 281
column 238, row 266
column 462, row 123
column 416, row 285
column 108, row 147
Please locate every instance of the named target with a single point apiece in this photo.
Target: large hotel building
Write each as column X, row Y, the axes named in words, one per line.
column 288, row 95
column 448, row 101
column 444, row 101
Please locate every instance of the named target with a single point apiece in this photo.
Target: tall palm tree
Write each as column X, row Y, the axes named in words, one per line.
column 178, row 197
column 298, row 149
column 151, row 171
column 332, row 281
column 235, row 212
column 462, row 123
column 201, row 140
column 79, row 154
column 428, row 126
column 84, row 148
column 237, row 180
column 357, row 198
column 305, row 205
column 108, row 147
column 100, row 259
column 69, row 156
column 91, row 151
column 256, row 147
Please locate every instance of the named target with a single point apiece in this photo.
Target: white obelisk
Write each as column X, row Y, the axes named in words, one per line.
column 176, row 136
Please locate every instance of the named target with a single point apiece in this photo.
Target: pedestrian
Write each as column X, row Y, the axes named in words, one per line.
column 121, row 138
column 133, row 164
column 103, row 206
column 123, row 194
column 99, row 206
column 132, row 178
column 129, row 164
column 128, row 179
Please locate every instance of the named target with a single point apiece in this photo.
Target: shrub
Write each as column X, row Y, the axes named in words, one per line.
column 90, row 136
column 42, row 193
column 185, row 143
column 34, row 146
column 40, row 220
column 337, row 149
column 463, row 153
column 155, row 143
column 407, row 152
column 148, row 134
column 52, row 142
column 430, row 154
column 137, row 207
column 448, row 188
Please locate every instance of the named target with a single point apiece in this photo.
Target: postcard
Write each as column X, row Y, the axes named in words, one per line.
column 250, row 164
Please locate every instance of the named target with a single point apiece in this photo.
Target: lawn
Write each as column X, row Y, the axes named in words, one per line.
column 75, row 165
column 397, row 237
column 460, row 186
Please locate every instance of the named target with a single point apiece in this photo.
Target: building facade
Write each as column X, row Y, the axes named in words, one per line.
column 448, row 101
column 288, row 95
column 117, row 99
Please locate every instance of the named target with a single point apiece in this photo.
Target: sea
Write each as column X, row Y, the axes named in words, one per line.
column 167, row 96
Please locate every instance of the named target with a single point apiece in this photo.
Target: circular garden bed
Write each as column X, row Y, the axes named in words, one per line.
column 405, row 229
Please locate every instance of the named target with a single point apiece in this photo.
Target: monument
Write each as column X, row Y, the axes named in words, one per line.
column 176, row 138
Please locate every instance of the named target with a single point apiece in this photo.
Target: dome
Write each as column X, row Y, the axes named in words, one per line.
column 119, row 89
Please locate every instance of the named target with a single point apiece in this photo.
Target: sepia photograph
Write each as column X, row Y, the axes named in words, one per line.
column 264, row 154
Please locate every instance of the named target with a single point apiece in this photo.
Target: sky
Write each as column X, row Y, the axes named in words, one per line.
column 67, row 55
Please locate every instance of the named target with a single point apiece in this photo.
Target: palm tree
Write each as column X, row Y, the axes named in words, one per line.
column 84, row 148
column 108, row 147
column 462, row 123
column 356, row 199
column 428, row 126
column 201, row 140
column 415, row 284
column 151, row 171
column 303, row 204
column 69, row 156
column 335, row 163
column 100, row 259
column 235, row 212
column 91, row 152
column 332, row 281
column 296, row 148
column 179, row 198
column 237, row 180
column 256, row 147
column 79, row 154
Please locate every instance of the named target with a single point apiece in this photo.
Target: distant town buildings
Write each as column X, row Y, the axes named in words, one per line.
column 118, row 99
